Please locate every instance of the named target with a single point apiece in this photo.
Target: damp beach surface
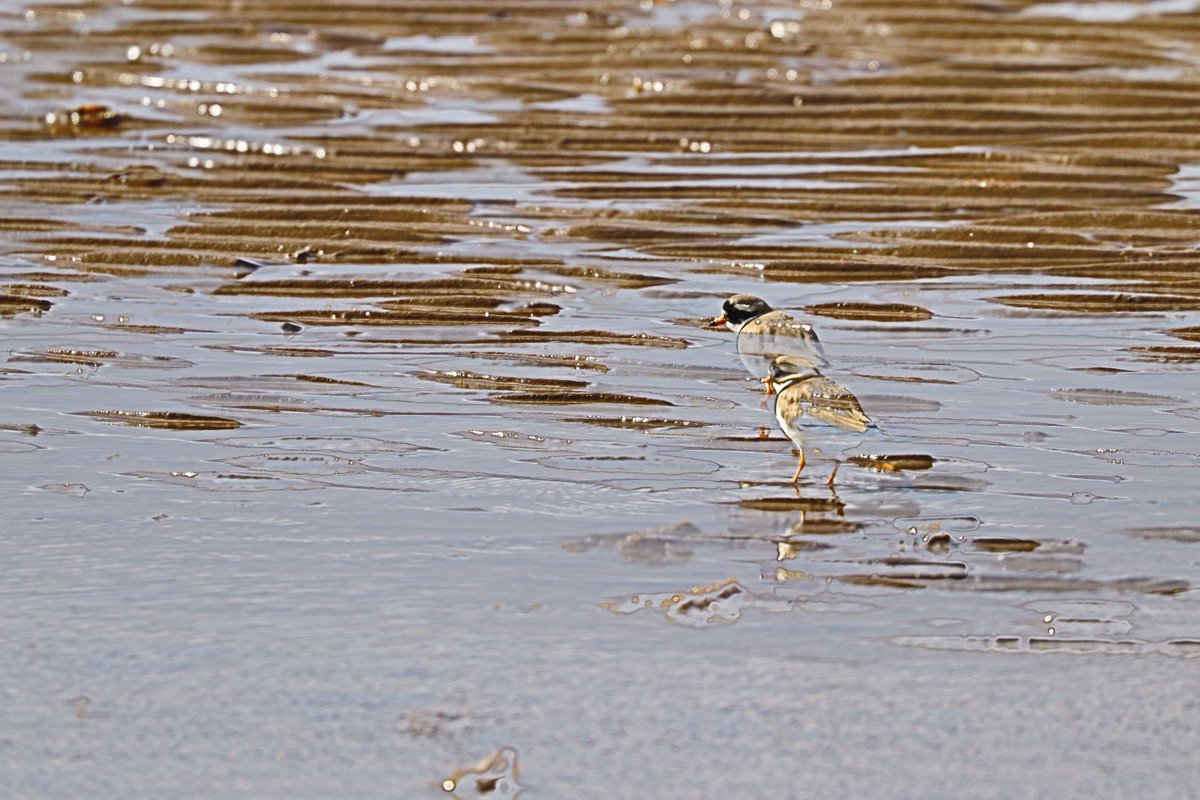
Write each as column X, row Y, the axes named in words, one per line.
column 362, row 434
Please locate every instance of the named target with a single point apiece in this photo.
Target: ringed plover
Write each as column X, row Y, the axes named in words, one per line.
column 803, row 394
column 763, row 334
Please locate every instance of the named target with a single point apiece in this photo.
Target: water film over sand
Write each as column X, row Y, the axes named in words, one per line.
column 363, row 434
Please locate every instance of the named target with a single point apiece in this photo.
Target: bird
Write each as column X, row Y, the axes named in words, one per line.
column 764, row 333
column 801, row 392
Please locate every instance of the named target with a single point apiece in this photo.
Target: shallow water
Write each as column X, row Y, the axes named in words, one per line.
column 362, row 432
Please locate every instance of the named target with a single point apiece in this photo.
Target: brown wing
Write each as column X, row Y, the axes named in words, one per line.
column 830, row 402
column 777, row 334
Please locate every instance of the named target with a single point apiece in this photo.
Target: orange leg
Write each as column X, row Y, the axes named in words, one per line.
column 799, row 468
column 833, row 474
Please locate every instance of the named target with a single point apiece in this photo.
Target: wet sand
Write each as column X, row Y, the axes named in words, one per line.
column 363, row 435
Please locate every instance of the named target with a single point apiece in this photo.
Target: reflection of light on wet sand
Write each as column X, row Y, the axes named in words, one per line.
column 446, row 267
column 1109, row 10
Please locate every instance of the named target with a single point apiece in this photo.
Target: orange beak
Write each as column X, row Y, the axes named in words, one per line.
column 768, row 383
column 716, row 321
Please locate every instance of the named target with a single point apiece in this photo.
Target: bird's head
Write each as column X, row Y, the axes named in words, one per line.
column 740, row 309
column 788, row 369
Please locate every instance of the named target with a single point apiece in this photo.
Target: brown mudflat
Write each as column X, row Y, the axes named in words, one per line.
column 362, row 407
